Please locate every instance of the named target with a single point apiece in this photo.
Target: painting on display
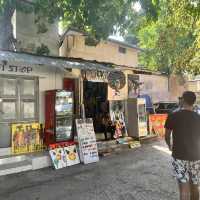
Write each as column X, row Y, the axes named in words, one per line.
column 72, row 157
column 26, row 138
column 116, row 85
column 58, row 158
column 157, row 123
column 133, row 85
column 117, row 118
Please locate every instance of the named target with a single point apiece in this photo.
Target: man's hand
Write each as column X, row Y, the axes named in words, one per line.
column 170, row 147
column 168, row 138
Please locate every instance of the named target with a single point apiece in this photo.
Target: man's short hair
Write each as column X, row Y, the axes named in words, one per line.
column 189, row 97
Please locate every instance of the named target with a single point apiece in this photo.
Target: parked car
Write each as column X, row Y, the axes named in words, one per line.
column 165, row 107
column 197, row 108
column 149, row 104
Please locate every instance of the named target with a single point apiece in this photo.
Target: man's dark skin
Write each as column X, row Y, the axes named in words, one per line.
column 188, row 191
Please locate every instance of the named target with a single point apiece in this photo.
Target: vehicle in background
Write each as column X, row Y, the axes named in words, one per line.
column 149, row 104
column 165, row 107
column 197, row 108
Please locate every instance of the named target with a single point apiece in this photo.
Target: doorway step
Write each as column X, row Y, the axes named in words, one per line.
column 116, row 146
column 20, row 163
column 14, row 164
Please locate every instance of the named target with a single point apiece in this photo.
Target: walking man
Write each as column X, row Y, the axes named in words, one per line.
column 184, row 125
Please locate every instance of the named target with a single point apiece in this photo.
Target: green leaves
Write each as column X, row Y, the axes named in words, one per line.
column 171, row 41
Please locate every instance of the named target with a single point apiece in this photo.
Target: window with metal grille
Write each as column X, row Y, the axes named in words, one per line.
column 18, row 99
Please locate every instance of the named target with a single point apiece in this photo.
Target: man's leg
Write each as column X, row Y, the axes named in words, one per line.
column 184, row 189
column 194, row 191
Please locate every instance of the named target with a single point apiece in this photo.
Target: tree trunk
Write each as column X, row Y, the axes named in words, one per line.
column 6, row 28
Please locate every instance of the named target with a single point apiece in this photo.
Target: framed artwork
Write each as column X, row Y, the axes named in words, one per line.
column 58, row 158
column 26, row 138
column 72, row 157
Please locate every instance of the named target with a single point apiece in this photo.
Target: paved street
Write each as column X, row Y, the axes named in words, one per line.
column 142, row 174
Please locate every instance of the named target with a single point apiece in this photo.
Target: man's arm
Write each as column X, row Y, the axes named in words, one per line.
column 168, row 138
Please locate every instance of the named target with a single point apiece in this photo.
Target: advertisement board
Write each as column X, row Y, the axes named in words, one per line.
column 157, row 123
column 26, row 138
column 87, row 141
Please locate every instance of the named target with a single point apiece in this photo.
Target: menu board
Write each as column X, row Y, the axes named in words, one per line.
column 87, row 141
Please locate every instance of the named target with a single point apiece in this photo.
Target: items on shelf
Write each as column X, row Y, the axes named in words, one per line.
column 59, row 108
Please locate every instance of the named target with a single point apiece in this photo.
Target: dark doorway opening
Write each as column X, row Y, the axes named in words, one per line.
column 96, row 104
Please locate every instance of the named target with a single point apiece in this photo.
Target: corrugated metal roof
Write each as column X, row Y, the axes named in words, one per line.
column 59, row 62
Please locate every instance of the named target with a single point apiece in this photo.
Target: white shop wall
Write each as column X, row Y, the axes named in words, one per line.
column 50, row 78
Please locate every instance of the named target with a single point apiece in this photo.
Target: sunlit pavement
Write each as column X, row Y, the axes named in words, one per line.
column 141, row 174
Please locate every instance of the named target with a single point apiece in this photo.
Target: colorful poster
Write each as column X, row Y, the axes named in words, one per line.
column 58, row 158
column 87, row 141
column 72, row 157
column 157, row 123
column 26, row 138
column 117, row 118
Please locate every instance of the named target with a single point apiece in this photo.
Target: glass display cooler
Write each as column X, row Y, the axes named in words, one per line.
column 59, row 109
column 136, row 117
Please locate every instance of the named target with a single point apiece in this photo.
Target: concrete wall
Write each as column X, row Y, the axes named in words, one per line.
column 177, row 85
column 25, row 30
column 156, row 86
column 105, row 51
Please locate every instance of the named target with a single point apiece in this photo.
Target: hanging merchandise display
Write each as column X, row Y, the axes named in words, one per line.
column 26, row 138
column 116, row 86
column 117, row 118
column 87, row 141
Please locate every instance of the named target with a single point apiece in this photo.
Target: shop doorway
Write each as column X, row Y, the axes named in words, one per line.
column 95, row 102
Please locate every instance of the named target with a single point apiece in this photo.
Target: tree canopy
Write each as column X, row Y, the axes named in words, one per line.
column 171, row 42
column 99, row 18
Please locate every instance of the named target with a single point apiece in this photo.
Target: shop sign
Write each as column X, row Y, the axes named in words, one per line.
column 15, row 69
column 26, row 138
column 94, row 75
column 87, row 141
column 157, row 123
column 116, row 86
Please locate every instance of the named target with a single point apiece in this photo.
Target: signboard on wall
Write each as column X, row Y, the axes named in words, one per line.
column 26, row 138
column 133, row 85
column 95, row 75
column 4, row 67
column 87, row 141
column 116, row 86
